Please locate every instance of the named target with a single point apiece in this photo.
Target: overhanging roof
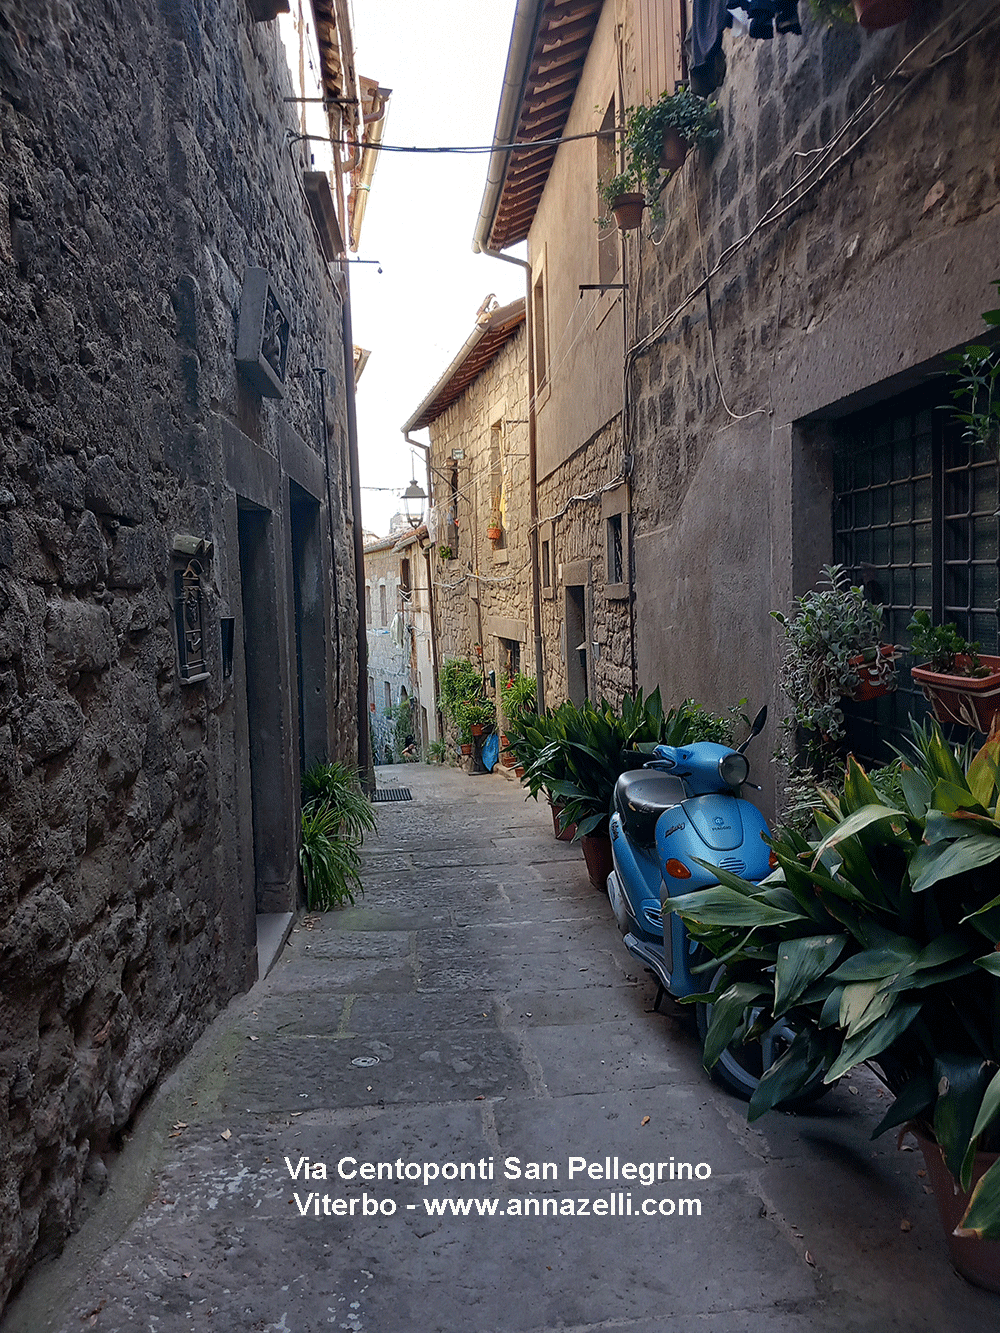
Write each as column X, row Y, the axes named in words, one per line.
column 336, row 53
column 548, row 47
column 492, row 330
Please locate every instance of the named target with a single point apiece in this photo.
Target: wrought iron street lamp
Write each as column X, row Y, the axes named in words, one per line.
column 413, row 503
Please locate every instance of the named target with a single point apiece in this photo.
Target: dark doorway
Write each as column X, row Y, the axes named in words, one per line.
column 576, row 643
column 269, row 793
column 310, row 629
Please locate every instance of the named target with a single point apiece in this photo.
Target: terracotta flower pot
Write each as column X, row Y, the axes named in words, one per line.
column 674, row 151
column 873, row 14
column 597, row 854
column 627, row 209
column 562, row 835
column 477, row 729
column 494, row 534
column 972, row 701
column 877, row 677
column 978, row 1261
column 466, row 749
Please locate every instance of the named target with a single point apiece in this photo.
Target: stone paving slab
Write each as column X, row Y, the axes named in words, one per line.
column 496, row 1015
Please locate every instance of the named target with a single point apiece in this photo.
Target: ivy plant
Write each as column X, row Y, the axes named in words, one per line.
column 826, row 636
column 693, row 118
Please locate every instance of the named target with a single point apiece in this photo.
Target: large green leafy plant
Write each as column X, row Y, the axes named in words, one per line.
column 335, row 817
column 877, row 943
column 574, row 754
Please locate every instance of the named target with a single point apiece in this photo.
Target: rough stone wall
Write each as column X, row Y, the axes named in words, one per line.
column 821, row 299
column 576, row 529
column 144, row 167
column 483, row 594
column 926, row 170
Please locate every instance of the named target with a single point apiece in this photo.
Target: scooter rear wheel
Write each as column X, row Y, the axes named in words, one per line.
column 741, row 1066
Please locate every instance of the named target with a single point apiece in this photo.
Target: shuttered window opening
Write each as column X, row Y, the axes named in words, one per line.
column 915, row 521
column 659, row 27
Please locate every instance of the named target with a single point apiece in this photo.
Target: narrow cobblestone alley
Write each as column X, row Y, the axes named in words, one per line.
column 478, row 1006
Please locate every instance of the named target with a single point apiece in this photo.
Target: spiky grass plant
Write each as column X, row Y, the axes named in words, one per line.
column 335, row 817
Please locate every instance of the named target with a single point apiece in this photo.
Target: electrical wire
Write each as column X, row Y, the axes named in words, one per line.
column 458, row 149
column 820, row 168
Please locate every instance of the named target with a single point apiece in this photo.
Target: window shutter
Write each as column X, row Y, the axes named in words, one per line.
column 659, row 47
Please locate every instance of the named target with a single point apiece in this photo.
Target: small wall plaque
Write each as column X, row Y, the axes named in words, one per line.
column 263, row 336
column 189, row 610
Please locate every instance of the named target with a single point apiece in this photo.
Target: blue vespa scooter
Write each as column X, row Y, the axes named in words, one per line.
column 684, row 806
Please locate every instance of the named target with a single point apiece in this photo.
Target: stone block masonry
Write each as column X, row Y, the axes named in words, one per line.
column 145, row 821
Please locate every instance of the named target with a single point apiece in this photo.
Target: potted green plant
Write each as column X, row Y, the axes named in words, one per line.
column 445, row 552
column 977, row 392
column 961, row 683
column 833, row 650
column 477, row 715
column 876, row 942
column 335, row 817
column 582, row 760
column 834, row 11
column 623, row 199
column 658, row 138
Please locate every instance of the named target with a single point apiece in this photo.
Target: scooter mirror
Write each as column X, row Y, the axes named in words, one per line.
column 756, row 727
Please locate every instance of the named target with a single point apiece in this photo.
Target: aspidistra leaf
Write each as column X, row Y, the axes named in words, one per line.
column 982, row 1218
column 873, row 1041
column 799, row 963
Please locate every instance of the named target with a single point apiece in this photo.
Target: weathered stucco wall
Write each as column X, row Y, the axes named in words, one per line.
column 582, row 329
column 797, row 274
column 851, row 292
column 144, row 169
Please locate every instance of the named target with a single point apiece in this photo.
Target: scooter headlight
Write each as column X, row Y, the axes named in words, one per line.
column 734, row 769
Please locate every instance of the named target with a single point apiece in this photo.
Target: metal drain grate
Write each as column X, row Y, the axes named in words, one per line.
column 392, row 794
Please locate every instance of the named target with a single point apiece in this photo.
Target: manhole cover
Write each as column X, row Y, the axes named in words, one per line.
column 365, row 1061
column 392, row 794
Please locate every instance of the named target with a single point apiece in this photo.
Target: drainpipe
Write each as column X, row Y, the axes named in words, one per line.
column 430, row 585
column 536, row 594
column 365, row 768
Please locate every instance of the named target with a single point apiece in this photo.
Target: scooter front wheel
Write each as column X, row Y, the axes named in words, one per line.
column 742, row 1065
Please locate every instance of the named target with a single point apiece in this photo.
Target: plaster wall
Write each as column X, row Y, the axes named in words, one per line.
column 583, row 329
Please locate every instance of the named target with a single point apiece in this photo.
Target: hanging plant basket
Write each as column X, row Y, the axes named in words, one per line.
column 874, row 14
column 876, row 673
column 627, row 209
column 971, row 701
column 494, row 533
column 674, row 151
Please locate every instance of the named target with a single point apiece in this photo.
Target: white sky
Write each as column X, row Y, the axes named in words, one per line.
column 444, row 64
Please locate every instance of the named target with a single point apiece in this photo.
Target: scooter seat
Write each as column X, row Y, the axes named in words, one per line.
column 641, row 796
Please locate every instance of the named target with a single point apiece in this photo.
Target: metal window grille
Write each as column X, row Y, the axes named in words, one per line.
column 915, row 520
column 616, row 561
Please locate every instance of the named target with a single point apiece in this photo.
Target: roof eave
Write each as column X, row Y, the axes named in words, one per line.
column 497, row 319
column 527, row 17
